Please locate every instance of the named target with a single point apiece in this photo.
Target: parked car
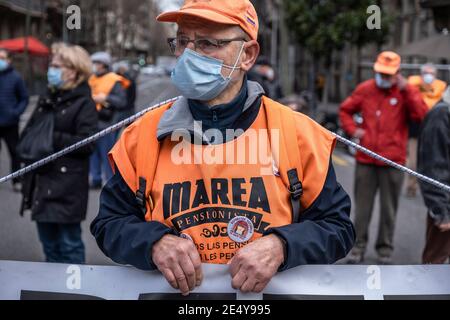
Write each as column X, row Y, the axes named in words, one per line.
column 167, row 63
column 152, row 70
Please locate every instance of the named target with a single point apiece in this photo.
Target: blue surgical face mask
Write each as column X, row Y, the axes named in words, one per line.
column 54, row 76
column 428, row 78
column 3, row 65
column 199, row 77
column 382, row 83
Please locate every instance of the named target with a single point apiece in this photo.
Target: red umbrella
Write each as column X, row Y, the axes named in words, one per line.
column 35, row 47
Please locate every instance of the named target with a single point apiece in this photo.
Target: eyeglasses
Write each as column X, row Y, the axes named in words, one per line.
column 205, row 45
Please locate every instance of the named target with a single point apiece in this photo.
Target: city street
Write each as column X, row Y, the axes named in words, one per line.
column 20, row 240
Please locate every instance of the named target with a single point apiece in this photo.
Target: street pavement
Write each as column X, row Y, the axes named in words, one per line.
column 19, row 240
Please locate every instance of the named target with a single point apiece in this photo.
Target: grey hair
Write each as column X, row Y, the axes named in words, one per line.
column 428, row 65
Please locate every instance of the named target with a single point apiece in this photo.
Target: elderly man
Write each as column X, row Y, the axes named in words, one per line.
column 174, row 204
column 430, row 86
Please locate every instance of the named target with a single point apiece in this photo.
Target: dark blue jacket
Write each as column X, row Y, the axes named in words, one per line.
column 13, row 97
column 433, row 161
column 324, row 235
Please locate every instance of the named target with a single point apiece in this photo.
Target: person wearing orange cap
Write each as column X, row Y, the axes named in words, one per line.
column 387, row 104
column 178, row 199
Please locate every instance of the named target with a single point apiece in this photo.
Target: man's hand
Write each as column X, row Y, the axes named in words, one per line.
column 254, row 265
column 100, row 98
column 444, row 227
column 179, row 262
column 359, row 133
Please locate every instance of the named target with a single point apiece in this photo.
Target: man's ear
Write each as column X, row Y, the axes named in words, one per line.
column 249, row 55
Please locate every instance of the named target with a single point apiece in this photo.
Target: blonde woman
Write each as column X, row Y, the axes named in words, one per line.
column 57, row 195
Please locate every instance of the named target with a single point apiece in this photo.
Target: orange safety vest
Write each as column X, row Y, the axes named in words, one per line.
column 105, row 84
column 431, row 94
column 206, row 202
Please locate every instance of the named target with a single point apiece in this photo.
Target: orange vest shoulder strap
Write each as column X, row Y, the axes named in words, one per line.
column 148, row 148
column 105, row 84
column 281, row 122
column 114, row 78
column 123, row 81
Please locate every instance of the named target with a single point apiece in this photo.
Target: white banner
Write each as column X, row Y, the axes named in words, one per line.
column 26, row 280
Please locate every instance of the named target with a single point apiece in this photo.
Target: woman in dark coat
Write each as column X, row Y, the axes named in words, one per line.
column 57, row 194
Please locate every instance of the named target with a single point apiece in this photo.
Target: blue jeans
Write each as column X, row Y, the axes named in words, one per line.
column 62, row 242
column 99, row 159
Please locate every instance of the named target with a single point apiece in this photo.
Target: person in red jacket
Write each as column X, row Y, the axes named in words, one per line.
column 387, row 104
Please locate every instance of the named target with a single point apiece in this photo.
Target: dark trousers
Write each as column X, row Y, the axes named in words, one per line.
column 437, row 247
column 10, row 135
column 369, row 179
column 99, row 159
column 62, row 242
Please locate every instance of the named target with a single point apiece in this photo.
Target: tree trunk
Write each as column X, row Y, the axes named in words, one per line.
column 312, row 84
column 358, row 61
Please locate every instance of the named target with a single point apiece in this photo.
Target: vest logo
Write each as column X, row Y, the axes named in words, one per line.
column 232, row 192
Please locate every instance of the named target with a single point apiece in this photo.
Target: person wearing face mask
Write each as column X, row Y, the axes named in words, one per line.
column 432, row 90
column 160, row 213
column 387, row 104
column 13, row 102
column 57, row 194
column 430, row 86
column 109, row 94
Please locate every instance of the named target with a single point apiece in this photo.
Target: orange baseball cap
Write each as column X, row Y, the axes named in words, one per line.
column 388, row 62
column 236, row 12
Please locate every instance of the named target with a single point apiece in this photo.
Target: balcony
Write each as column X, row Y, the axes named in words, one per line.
column 35, row 8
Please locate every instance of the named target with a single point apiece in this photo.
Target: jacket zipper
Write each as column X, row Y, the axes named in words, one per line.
column 378, row 115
